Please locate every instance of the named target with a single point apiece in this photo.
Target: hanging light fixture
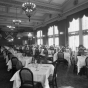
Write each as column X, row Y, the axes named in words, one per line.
column 28, row 7
column 12, row 27
column 16, row 21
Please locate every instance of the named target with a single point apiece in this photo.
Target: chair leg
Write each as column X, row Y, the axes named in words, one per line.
column 56, row 83
column 87, row 72
column 53, row 84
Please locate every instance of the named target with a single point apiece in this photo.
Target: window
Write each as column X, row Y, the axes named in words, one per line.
column 56, row 30
column 73, row 34
column 85, row 41
column 39, row 37
column 85, row 31
column 39, row 34
column 38, row 41
column 53, row 36
column 50, row 31
column 56, row 41
column 50, row 42
column 74, row 26
column 84, row 22
column 73, row 42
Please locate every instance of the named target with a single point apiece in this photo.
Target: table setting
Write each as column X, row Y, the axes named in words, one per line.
column 41, row 73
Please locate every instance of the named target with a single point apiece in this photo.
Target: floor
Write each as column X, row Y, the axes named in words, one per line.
column 65, row 78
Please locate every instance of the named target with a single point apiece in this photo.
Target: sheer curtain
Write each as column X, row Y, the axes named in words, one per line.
column 74, row 25
column 50, row 31
column 84, row 22
column 39, row 37
column 56, row 32
column 85, row 28
column 85, row 41
column 74, row 42
column 50, row 41
column 53, row 35
column 56, row 41
column 73, row 38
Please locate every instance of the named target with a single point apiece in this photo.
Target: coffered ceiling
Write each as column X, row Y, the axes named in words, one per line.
column 45, row 10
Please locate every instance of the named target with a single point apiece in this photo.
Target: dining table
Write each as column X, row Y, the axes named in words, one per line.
column 80, row 62
column 25, row 60
column 41, row 72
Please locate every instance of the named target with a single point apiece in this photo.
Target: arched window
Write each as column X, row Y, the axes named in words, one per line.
column 84, row 22
column 74, row 25
column 73, row 32
column 85, row 31
column 50, row 31
column 56, row 30
column 39, row 38
column 53, row 36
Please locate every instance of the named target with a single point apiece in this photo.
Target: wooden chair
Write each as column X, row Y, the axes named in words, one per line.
column 14, row 61
column 26, row 77
column 86, row 61
column 52, row 78
column 19, row 65
column 61, row 58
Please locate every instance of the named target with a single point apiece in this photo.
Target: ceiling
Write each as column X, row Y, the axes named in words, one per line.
column 46, row 9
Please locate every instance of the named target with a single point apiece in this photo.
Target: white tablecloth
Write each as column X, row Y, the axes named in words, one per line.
column 40, row 75
column 67, row 57
column 80, row 62
column 55, row 57
column 25, row 61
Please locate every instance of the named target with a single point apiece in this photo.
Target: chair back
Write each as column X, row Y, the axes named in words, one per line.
column 60, row 56
column 55, row 68
column 19, row 65
column 9, row 55
column 50, row 59
column 37, row 52
column 26, row 76
column 86, row 61
column 14, row 61
column 45, row 52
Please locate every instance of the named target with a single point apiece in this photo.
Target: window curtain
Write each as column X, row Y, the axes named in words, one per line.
column 77, row 15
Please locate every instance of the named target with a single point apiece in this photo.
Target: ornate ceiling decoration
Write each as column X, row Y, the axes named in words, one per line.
column 46, row 11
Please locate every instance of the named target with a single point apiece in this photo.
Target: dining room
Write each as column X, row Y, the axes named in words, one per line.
column 43, row 44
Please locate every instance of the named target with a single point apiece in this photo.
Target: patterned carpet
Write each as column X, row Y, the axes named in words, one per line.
column 65, row 78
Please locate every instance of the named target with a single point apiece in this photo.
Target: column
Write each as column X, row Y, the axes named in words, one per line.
column 80, row 32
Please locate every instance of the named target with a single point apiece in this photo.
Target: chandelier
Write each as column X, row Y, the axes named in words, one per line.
column 28, row 7
column 10, row 26
column 16, row 21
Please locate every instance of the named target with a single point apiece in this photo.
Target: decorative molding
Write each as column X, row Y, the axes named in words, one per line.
column 67, row 13
column 75, row 2
column 39, row 5
column 49, row 8
column 75, row 9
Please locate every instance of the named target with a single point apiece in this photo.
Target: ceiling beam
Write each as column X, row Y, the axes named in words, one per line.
column 39, row 6
column 21, row 25
column 22, row 17
column 42, row 3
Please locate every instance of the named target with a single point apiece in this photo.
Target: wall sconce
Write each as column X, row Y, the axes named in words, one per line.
column 61, row 33
column 19, row 38
column 10, row 40
column 43, row 35
column 29, row 35
column 33, row 37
